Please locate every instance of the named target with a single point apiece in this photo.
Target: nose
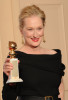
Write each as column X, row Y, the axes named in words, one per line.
column 35, row 34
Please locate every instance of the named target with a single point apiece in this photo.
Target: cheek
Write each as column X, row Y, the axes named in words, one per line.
column 41, row 33
column 27, row 34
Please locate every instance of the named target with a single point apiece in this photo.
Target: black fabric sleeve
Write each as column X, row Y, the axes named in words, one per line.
column 62, row 66
column 8, row 91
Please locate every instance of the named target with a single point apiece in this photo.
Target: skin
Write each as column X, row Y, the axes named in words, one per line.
column 33, row 28
column 61, row 90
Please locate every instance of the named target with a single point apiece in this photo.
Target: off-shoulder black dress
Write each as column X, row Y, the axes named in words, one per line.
column 41, row 74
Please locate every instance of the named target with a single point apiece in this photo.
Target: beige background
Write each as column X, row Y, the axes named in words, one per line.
column 55, row 31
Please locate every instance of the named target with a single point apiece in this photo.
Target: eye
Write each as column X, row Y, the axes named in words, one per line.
column 30, row 29
column 39, row 28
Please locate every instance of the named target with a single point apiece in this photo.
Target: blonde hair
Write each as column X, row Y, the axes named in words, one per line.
column 29, row 11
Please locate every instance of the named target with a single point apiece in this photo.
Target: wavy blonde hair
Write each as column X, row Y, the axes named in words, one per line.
column 30, row 11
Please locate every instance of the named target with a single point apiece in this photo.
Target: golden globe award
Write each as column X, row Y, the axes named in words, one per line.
column 14, row 74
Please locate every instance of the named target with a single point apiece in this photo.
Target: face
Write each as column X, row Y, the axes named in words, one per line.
column 33, row 31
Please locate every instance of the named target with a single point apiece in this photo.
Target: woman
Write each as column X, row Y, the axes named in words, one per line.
column 41, row 69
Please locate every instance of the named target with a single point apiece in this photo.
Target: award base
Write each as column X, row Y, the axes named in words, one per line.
column 14, row 74
column 13, row 80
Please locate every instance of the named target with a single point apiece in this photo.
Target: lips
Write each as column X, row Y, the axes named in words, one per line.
column 35, row 39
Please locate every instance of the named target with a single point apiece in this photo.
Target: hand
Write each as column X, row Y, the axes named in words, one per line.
column 7, row 67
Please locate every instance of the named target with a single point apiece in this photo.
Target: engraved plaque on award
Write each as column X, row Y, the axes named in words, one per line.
column 14, row 74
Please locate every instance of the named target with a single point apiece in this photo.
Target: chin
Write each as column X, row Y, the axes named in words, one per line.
column 36, row 45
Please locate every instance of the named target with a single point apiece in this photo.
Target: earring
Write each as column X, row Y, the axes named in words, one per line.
column 44, row 39
column 22, row 40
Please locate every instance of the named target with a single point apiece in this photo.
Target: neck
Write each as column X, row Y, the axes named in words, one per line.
column 31, row 48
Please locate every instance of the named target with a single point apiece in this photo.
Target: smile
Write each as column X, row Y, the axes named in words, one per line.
column 35, row 39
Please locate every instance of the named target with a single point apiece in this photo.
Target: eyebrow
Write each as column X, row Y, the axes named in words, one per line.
column 32, row 27
column 28, row 27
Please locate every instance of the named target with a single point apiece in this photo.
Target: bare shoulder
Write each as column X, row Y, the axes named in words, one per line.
column 49, row 51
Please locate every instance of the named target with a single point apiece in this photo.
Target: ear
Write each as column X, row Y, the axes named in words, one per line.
column 21, row 30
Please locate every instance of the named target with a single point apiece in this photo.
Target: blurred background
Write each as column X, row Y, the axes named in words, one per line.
column 56, row 29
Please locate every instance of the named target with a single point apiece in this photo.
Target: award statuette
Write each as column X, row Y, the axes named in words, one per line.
column 14, row 74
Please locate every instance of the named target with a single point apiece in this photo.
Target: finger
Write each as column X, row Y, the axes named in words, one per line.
column 7, row 60
column 18, row 61
column 6, row 70
column 8, row 64
column 7, row 67
column 7, row 73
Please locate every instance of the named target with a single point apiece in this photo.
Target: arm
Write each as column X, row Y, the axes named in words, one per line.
column 61, row 90
column 8, row 91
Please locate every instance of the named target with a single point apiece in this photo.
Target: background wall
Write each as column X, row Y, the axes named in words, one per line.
column 55, row 31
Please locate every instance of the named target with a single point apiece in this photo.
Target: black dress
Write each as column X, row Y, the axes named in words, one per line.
column 41, row 74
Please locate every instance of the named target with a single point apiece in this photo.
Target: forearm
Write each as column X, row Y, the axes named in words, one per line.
column 8, row 91
column 61, row 90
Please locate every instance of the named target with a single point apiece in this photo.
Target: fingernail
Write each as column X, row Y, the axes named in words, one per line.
column 11, row 67
column 11, row 64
